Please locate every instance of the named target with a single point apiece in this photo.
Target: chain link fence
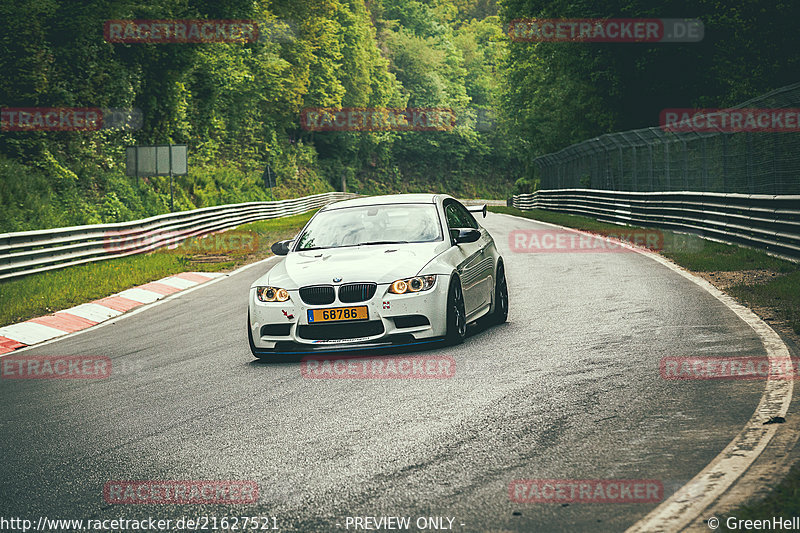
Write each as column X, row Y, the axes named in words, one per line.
column 651, row 159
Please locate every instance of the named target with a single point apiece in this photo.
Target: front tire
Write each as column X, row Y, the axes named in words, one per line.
column 456, row 315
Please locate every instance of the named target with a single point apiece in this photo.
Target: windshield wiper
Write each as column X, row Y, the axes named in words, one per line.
column 349, row 245
column 381, row 242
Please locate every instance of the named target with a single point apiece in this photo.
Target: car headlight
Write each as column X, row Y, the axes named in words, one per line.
column 416, row 284
column 272, row 294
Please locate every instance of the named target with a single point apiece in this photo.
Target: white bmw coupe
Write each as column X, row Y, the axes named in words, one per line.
column 378, row 271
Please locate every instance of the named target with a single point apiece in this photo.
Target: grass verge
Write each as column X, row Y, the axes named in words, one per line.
column 47, row 292
column 782, row 294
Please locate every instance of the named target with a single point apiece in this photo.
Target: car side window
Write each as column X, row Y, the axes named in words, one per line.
column 452, row 216
column 468, row 218
column 459, row 217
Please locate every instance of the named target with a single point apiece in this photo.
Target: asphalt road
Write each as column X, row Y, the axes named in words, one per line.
column 568, row 389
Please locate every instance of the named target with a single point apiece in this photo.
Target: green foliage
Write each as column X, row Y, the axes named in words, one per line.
column 33, row 199
column 237, row 105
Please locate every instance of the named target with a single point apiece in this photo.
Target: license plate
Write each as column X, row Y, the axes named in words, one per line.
column 338, row 314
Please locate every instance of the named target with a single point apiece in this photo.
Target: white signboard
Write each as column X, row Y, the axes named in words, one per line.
column 156, row 160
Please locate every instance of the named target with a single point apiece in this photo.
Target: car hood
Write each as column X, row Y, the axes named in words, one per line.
column 383, row 263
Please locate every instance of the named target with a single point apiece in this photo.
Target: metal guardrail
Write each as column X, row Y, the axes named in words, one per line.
column 481, row 202
column 767, row 222
column 28, row 252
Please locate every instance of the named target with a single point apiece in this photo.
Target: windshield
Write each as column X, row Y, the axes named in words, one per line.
column 374, row 224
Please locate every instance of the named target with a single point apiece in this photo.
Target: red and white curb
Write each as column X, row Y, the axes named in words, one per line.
column 84, row 316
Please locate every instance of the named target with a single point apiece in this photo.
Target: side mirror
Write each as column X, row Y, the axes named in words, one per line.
column 281, row 247
column 463, row 235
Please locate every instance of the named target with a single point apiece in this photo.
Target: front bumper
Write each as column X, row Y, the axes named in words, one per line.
column 394, row 319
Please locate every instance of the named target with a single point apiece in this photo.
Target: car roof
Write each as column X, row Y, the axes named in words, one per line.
column 417, row 198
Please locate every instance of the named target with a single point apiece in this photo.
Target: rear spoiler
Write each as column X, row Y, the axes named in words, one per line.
column 477, row 209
